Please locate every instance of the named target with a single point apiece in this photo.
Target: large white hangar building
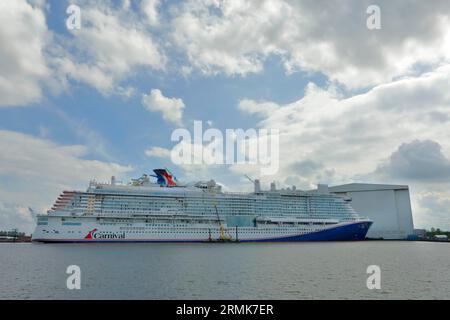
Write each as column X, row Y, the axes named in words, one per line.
column 389, row 206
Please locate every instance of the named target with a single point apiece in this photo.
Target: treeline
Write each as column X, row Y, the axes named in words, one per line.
column 12, row 233
column 432, row 232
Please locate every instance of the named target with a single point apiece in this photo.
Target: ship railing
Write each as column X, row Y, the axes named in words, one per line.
column 293, row 219
column 151, row 215
column 179, row 219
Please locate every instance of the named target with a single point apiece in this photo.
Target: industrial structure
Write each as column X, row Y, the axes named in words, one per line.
column 389, row 207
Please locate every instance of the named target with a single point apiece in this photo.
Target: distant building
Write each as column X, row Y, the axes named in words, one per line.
column 440, row 237
column 389, row 206
column 420, row 233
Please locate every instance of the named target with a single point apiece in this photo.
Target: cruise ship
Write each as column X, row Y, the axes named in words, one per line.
column 157, row 208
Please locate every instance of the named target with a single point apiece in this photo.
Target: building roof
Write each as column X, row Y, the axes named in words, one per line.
column 354, row 187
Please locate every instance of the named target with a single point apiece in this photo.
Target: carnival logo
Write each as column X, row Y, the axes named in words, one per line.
column 95, row 234
column 89, row 235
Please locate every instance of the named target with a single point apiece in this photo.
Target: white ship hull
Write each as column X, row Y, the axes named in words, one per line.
column 93, row 229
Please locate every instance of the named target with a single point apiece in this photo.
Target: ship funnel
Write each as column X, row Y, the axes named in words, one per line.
column 165, row 178
column 113, row 180
column 273, row 186
column 323, row 189
column 257, row 184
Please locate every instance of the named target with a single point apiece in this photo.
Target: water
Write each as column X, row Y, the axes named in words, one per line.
column 409, row 270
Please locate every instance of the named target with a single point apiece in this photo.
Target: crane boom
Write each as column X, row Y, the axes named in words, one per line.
column 251, row 180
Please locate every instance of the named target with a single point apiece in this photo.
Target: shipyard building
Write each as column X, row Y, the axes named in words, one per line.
column 389, row 207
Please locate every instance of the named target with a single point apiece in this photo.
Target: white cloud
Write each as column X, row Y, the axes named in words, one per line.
column 158, row 152
column 26, row 156
column 263, row 109
column 171, row 108
column 417, row 160
column 236, row 37
column 150, row 8
column 330, row 127
column 23, row 68
column 34, row 171
column 126, row 4
column 228, row 42
column 112, row 45
column 232, row 37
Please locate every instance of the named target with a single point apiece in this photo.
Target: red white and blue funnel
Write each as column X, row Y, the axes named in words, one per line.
column 165, row 178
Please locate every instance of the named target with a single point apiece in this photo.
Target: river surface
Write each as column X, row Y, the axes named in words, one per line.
column 328, row 270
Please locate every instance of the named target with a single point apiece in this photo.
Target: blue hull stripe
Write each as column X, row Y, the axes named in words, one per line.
column 355, row 231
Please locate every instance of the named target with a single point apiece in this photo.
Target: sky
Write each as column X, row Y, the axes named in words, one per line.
column 351, row 103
